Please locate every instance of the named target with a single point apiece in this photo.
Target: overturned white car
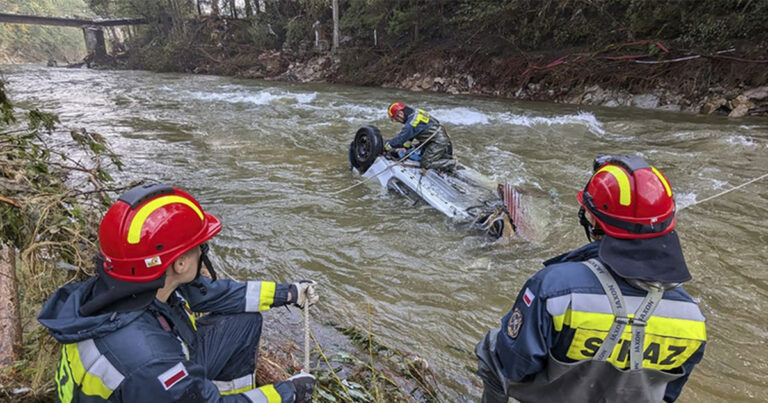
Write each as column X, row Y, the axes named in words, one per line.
column 464, row 195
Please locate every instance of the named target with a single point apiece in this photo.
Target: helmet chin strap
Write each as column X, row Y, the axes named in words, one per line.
column 208, row 265
column 591, row 231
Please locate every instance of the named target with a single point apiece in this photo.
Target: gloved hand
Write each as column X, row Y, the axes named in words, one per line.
column 387, row 147
column 303, row 385
column 304, row 292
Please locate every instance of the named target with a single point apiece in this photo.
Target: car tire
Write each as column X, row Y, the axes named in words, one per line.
column 366, row 147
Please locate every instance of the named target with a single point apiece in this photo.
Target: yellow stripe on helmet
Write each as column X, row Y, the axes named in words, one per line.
column 134, row 231
column 625, row 195
column 663, row 181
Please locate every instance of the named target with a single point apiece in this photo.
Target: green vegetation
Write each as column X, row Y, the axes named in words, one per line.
column 52, row 225
column 495, row 41
column 35, row 43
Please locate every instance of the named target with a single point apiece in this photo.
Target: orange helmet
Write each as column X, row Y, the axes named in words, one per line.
column 628, row 198
column 148, row 228
column 394, row 108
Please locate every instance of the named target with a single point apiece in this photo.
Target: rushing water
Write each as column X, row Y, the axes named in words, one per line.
column 266, row 157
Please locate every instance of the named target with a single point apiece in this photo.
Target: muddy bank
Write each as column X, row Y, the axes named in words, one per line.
column 650, row 74
column 733, row 84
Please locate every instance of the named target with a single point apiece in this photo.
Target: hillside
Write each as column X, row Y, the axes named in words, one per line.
column 704, row 56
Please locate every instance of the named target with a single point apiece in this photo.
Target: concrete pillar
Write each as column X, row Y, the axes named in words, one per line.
column 94, row 43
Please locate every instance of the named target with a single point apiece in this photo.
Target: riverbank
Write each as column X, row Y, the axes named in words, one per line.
column 646, row 74
column 731, row 83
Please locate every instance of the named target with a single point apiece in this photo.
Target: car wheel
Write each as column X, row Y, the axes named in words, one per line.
column 368, row 145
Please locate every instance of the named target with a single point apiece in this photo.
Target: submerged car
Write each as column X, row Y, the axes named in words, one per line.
column 464, row 194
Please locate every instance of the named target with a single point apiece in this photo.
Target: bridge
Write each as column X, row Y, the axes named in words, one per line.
column 93, row 31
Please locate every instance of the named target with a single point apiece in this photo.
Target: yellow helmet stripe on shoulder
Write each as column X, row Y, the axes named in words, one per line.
column 625, row 195
column 663, row 181
column 134, row 231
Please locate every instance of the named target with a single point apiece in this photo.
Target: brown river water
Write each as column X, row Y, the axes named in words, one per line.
column 266, row 157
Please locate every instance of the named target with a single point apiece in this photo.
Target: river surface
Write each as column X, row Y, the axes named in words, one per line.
column 266, row 157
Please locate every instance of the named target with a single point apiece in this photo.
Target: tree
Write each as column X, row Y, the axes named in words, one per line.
column 248, row 9
column 215, row 7
column 335, row 25
column 232, row 9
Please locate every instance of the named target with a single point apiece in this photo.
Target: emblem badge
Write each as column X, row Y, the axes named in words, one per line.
column 528, row 297
column 153, row 261
column 173, row 375
column 514, row 323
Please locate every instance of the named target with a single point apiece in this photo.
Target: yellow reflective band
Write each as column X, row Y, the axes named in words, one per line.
column 661, row 353
column 558, row 320
column 271, row 393
column 267, row 295
column 658, row 325
column 190, row 315
column 625, row 196
column 663, row 181
column 134, row 231
column 237, row 391
column 66, row 391
column 422, row 117
column 89, row 384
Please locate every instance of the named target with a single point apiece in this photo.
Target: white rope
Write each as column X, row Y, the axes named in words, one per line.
column 422, row 144
column 306, row 337
column 725, row 192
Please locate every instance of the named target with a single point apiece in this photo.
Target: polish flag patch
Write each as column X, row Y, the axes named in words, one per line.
column 528, row 297
column 173, row 375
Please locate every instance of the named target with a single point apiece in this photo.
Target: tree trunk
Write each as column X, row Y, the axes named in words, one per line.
column 215, row 7
column 10, row 320
column 248, row 9
column 416, row 26
column 335, row 25
column 199, row 10
column 233, row 8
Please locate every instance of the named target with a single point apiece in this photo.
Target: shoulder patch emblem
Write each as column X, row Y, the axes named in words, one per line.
column 514, row 323
column 173, row 375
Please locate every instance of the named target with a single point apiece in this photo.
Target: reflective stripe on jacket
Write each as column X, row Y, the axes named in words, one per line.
column 136, row 357
column 562, row 315
column 419, row 126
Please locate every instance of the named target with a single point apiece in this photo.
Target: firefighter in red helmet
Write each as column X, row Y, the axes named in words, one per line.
column 609, row 321
column 129, row 333
column 420, row 128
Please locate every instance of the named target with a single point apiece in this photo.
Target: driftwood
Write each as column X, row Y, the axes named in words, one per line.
column 10, row 320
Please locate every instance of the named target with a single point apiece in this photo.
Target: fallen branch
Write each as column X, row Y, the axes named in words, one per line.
column 10, row 201
column 208, row 55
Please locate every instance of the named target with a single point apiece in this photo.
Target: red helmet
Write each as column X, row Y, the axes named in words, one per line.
column 628, row 198
column 394, row 108
column 148, row 228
